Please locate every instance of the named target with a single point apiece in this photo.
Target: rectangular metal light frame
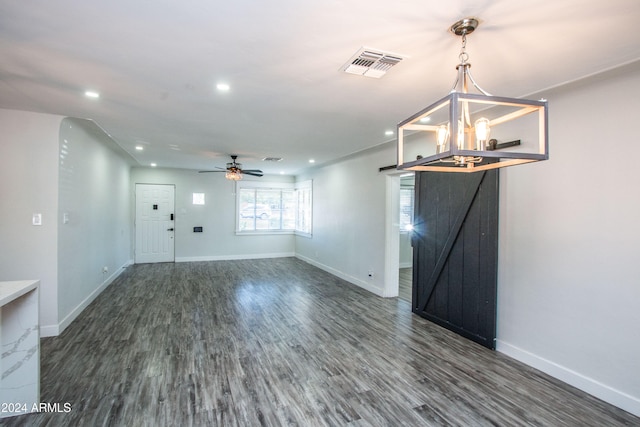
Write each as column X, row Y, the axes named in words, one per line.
column 492, row 159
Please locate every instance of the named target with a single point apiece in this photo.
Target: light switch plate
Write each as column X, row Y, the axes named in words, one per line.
column 36, row 219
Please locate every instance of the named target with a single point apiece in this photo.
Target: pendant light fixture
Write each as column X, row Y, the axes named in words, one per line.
column 467, row 132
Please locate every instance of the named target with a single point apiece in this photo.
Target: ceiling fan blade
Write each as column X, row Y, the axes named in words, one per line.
column 211, row 171
column 254, row 172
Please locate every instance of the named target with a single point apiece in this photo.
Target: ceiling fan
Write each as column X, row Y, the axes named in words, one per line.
column 234, row 170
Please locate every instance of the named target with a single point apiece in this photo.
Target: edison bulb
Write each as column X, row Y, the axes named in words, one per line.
column 442, row 134
column 483, row 129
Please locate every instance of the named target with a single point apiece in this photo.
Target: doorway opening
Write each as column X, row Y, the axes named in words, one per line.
column 399, row 221
column 406, row 206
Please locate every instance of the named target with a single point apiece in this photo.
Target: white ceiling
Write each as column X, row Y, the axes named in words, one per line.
column 156, row 65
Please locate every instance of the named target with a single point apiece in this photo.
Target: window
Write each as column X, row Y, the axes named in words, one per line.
column 273, row 207
column 406, row 208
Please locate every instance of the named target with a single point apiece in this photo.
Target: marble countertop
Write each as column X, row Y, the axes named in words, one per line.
column 9, row 291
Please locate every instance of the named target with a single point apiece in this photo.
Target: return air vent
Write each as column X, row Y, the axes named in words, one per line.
column 371, row 63
column 272, row 159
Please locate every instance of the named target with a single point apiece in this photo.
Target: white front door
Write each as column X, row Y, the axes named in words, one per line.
column 154, row 223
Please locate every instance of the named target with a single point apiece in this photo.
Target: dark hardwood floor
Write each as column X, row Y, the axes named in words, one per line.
column 280, row 342
column 405, row 284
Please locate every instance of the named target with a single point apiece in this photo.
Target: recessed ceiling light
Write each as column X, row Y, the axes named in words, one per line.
column 425, row 120
column 223, row 87
column 139, row 147
column 311, row 161
column 153, row 165
column 389, row 132
column 91, row 94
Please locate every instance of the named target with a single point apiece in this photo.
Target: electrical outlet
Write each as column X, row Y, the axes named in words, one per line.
column 105, row 269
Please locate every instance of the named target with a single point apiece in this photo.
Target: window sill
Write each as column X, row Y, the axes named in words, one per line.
column 264, row 232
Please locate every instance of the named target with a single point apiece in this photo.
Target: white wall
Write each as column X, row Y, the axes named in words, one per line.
column 94, row 197
column 29, row 177
column 349, row 219
column 217, row 217
column 568, row 287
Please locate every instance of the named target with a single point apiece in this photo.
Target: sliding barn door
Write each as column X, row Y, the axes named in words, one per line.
column 455, row 252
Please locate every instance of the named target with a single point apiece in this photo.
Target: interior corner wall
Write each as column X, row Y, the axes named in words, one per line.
column 94, row 231
column 29, row 176
column 568, row 288
column 349, row 214
column 218, row 240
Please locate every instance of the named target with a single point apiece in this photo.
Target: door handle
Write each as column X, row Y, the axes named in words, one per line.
column 169, row 229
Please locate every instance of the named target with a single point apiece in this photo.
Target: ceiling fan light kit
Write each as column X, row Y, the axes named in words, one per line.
column 467, row 132
column 233, row 175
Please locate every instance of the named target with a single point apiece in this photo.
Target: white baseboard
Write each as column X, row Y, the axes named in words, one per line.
column 56, row 329
column 49, row 331
column 604, row 392
column 371, row 287
column 234, row 257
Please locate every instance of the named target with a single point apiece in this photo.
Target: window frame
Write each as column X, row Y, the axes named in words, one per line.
column 304, row 185
column 280, row 186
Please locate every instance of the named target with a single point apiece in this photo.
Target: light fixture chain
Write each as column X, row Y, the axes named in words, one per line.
column 464, row 56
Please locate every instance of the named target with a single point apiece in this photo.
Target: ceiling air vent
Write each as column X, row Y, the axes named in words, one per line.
column 272, row 159
column 371, row 62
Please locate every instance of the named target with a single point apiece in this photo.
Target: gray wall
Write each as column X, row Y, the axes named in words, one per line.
column 54, row 166
column 349, row 219
column 29, row 177
column 568, row 289
column 94, row 197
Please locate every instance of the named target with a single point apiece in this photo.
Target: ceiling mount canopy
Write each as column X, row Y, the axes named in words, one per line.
column 464, row 26
column 467, row 132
